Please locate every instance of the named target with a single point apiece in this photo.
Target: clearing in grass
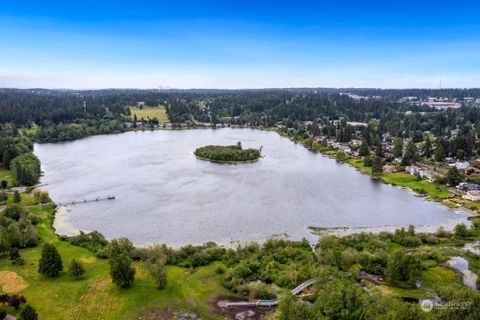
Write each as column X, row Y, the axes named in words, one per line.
column 149, row 112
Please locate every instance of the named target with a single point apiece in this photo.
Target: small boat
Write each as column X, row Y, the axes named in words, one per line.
column 111, row 197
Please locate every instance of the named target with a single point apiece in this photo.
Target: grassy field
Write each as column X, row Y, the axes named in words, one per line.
column 433, row 278
column 150, row 112
column 95, row 297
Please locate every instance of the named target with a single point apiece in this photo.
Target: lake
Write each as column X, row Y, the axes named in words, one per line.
column 164, row 194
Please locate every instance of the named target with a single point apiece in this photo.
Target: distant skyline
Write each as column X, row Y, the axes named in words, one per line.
column 258, row 44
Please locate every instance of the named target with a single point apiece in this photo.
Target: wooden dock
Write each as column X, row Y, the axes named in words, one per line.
column 88, row 200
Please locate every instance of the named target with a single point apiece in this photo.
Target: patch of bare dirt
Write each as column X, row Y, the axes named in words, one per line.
column 167, row 314
column 238, row 313
column 11, row 282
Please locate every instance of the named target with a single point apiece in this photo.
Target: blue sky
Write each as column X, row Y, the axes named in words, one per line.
column 241, row 44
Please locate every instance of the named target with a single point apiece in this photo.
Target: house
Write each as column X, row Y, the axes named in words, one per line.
column 449, row 160
column 417, row 171
column 461, row 165
column 464, row 186
column 413, row 170
column 140, row 104
column 473, row 195
column 397, row 160
column 390, row 168
column 426, row 175
column 346, row 149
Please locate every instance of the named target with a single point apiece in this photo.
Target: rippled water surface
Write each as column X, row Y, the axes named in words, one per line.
column 164, row 194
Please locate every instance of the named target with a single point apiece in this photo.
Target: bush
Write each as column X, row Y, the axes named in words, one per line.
column 76, row 269
column 28, row 313
column 461, row 230
column 219, row 270
column 121, row 270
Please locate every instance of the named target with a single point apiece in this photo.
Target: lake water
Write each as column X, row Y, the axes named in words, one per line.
column 165, row 195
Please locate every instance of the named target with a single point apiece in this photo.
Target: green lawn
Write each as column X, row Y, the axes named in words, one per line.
column 434, row 190
column 6, row 174
column 432, row 278
column 95, row 297
column 150, row 112
column 438, row 277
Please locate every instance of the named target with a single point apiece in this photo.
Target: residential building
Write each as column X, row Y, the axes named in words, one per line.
column 473, row 195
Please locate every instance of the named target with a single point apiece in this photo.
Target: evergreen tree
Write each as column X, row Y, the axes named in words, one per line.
column 377, row 165
column 50, row 263
column 363, row 149
column 461, row 155
column 28, row 313
column 3, row 196
column 427, row 148
column 453, row 176
column 398, row 147
column 16, row 197
column 76, row 269
column 410, row 154
column 378, row 148
column 439, row 153
column 367, row 161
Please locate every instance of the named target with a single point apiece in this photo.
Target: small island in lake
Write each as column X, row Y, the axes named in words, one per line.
column 228, row 154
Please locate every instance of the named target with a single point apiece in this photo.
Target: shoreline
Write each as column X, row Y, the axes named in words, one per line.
column 225, row 162
column 63, row 228
column 427, row 197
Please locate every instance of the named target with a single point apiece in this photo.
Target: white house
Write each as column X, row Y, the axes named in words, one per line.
column 413, row 170
column 473, row 195
column 461, row 165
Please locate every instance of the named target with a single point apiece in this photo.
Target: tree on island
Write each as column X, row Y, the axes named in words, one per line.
column 50, row 263
column 232, row 153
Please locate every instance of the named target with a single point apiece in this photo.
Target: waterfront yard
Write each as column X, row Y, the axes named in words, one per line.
column 434, row 190
column 95, row 297
column 150, row 112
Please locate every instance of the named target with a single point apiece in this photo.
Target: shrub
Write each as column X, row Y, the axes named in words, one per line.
column 28, row 313
column 461, row 230
column 76, row 269
column 121, row 270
